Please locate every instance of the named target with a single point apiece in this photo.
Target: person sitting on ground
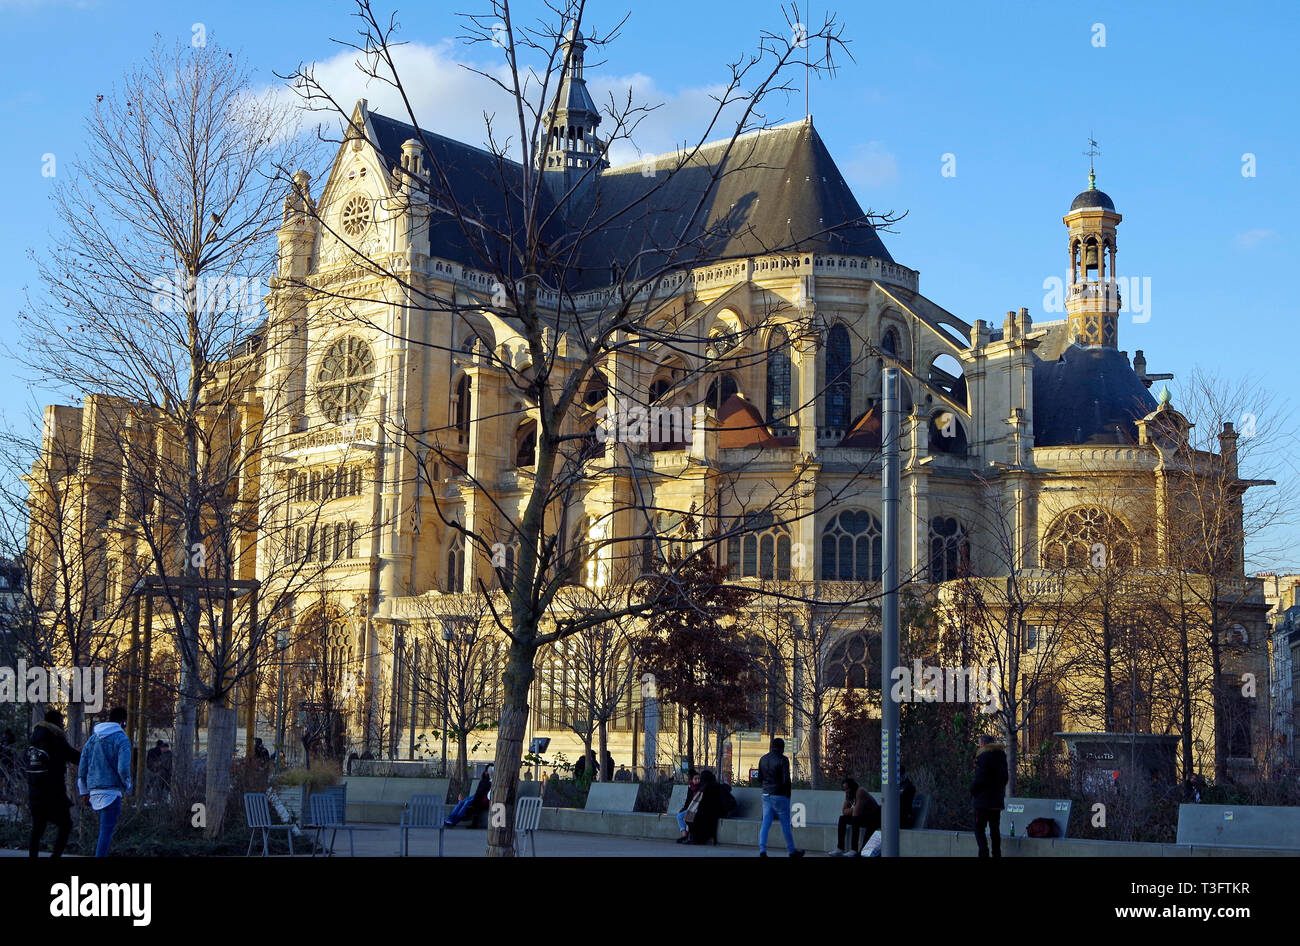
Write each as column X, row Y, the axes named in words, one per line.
column 703, row 820
column 861, row 813
column 692, row 786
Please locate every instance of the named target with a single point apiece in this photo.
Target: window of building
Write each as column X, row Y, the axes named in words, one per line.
column 345, row 379
column 839, row 379
column 852, row 547
column 949, row 549
column 854, row 663
column 460, row 407
column 778, row 379
column 456, row 565
column 1088, row 536
column 760, row 550
column 720, row 390
column 526, row 445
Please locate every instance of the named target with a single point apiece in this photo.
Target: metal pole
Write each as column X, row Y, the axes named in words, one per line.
column 281, row 643
column 415, row 690
column 889, row 822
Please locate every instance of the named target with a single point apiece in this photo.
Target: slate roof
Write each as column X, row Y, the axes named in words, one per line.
column 775, row 189
column 1092, row 198
column 487, row 187
column 1088, row 396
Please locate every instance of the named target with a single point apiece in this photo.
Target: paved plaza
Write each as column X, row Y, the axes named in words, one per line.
column 471, row 842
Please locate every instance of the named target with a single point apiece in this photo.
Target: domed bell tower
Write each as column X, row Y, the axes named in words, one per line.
column 1092, row 301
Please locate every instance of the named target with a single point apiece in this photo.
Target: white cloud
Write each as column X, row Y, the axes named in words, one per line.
column 452, row 100
column 871, row 165
column 1249, row 239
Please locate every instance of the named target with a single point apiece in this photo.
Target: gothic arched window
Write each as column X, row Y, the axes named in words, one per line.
column 460, row 406
column 949, row 549
column 889, row 342
column 720, row 390
column 778, row 379
column 852, row 547
column 456, row 566
column 854, row 662
column 1088, row 536
column 526, row 444
column 761, row 549
column 839, row 387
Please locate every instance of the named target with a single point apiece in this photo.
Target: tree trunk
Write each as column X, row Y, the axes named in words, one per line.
column 690, row 740
column 462, row 760
column 221, row 750
column 604, row 746
column 515, row 684
column 183, row 751
column 1185, row 662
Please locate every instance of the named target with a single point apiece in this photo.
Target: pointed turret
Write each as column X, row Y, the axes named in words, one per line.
column 572, row 147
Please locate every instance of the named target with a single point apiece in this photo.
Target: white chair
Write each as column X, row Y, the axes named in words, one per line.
column 528, row 816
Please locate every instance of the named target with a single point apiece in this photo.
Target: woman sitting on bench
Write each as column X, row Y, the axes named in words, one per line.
column 702, row 816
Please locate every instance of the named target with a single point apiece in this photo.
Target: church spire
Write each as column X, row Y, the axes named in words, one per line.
column 571, row 143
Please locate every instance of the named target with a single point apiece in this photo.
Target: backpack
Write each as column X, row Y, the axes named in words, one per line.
column 1041, row 828
column 36, row 762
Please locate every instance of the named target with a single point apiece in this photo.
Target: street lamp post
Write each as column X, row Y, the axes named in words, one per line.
column 282, row 644
column 889, row 823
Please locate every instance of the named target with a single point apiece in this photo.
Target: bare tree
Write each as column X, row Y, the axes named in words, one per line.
column 149, row 304
column 1014, row 620
column 456, row 656
column 1224, row 440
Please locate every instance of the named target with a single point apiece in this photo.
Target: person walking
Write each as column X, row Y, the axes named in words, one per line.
column 987, row 793
column 46, row 761
column 774, row 776
column 104, row 774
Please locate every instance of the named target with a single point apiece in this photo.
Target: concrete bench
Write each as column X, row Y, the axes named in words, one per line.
column 381, row 800
column 749, row 803
column 920, row 808
column 1255, row 826
column 1020, row 811
column 612, row 796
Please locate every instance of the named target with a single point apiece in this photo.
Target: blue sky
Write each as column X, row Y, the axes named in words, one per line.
column 1176, row 96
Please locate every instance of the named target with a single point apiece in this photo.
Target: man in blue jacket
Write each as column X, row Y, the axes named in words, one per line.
column 104, row 774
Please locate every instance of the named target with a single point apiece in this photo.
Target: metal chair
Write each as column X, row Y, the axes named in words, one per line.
column 423, row 811
column 327, row 814
column 258, row 815
column 528, row 816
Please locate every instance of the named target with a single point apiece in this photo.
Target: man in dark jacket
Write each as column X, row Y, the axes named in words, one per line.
column 46, row 762
column 774, row 776
column 987, row 792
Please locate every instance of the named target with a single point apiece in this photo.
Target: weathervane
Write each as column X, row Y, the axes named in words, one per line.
column 1092, row 153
